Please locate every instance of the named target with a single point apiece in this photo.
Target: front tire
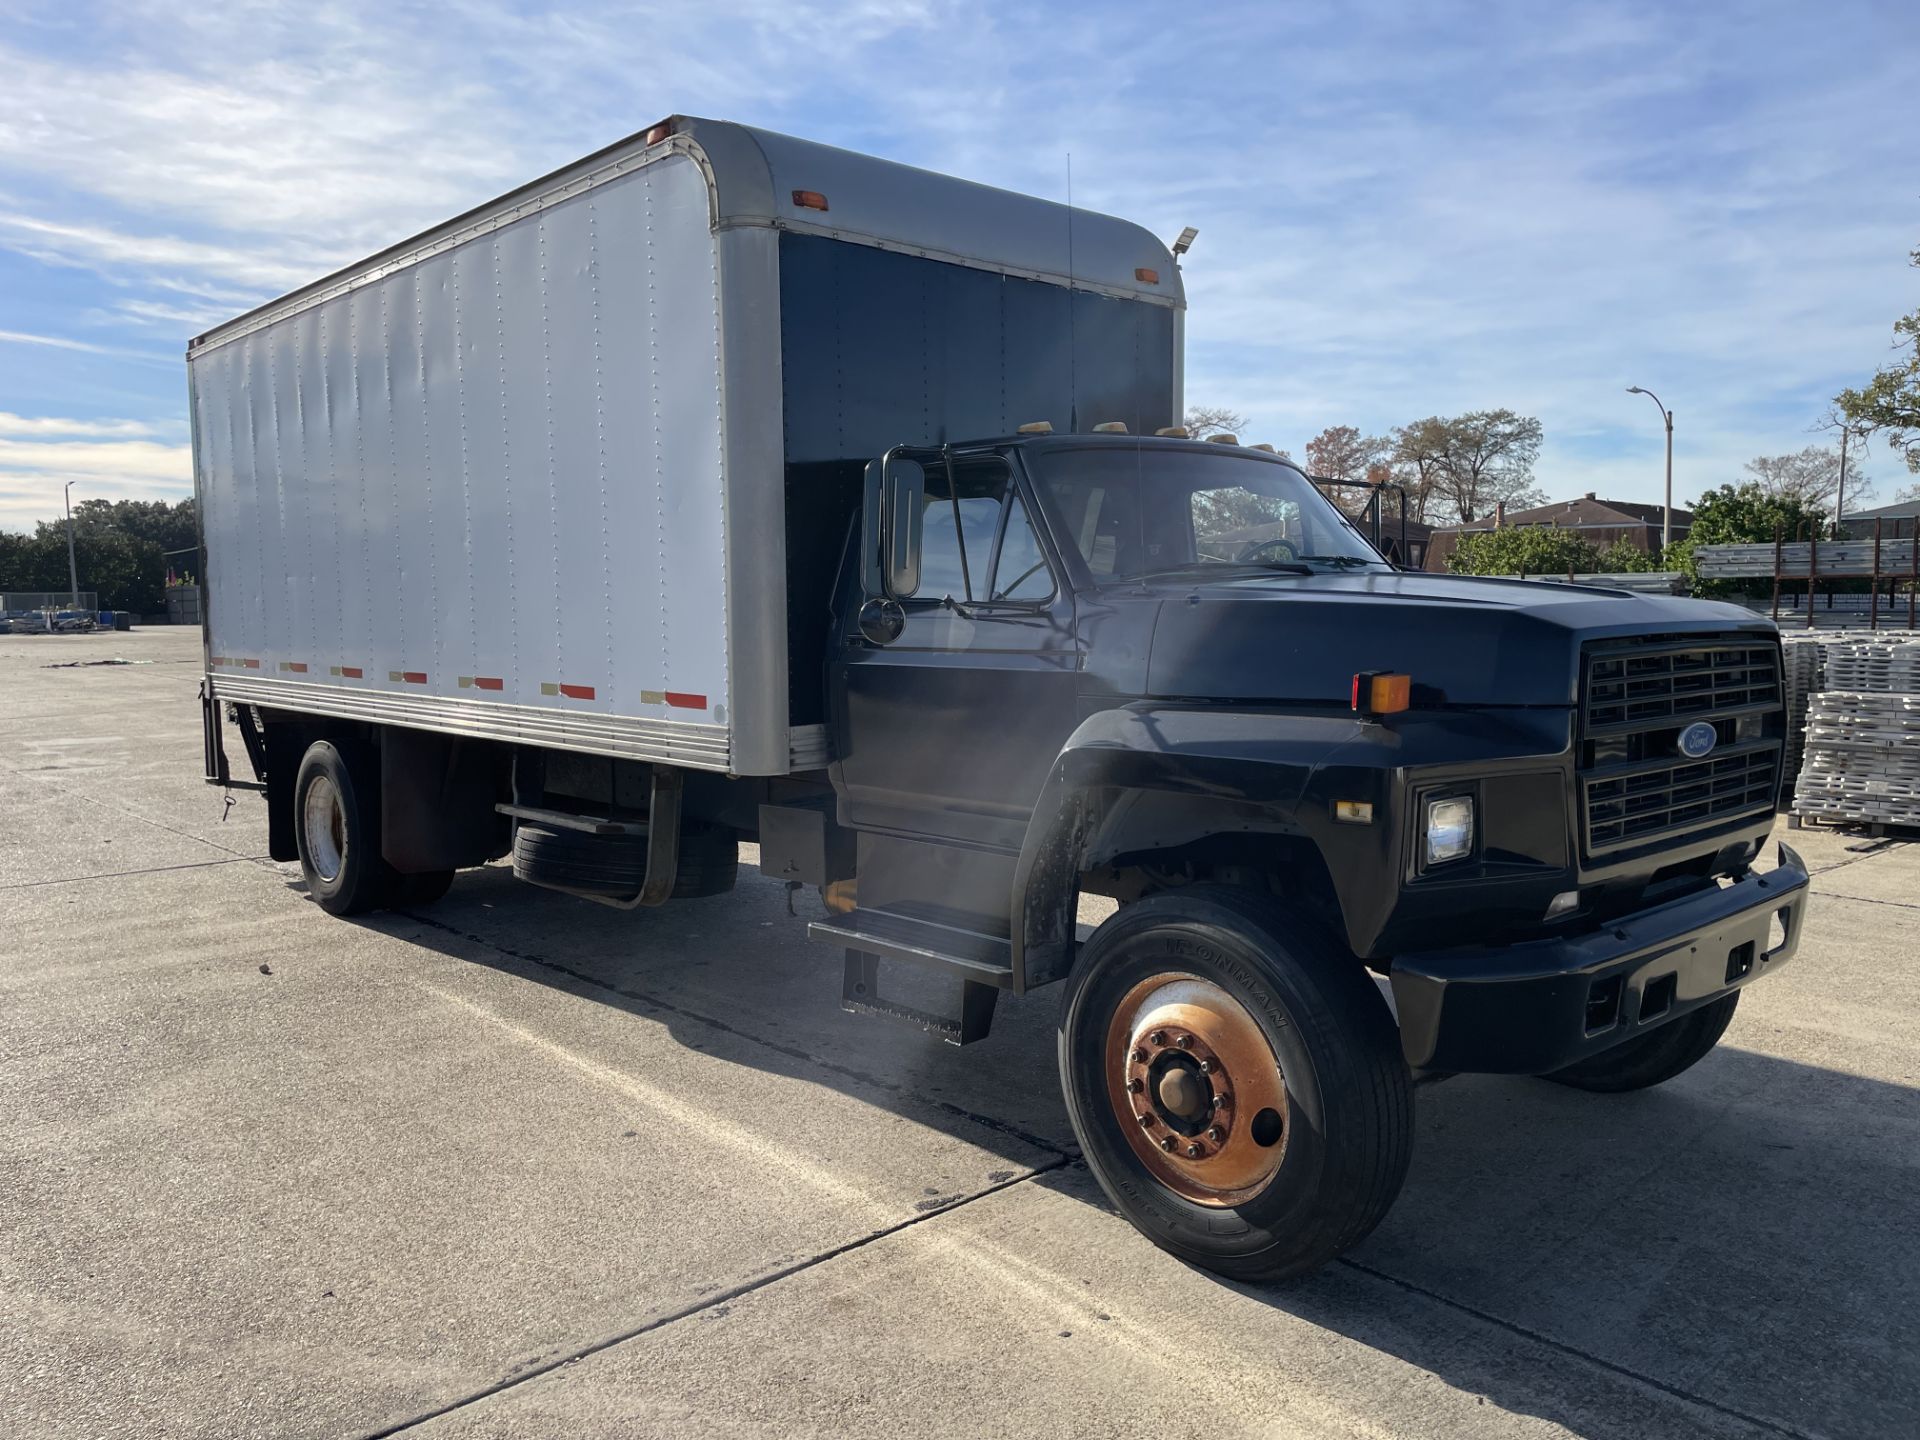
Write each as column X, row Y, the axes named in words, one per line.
column 1656, row 1057
column 1209, row 1002
column 336, row 811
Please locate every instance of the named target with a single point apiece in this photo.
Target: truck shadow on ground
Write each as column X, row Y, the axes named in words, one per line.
column 1743, row 1240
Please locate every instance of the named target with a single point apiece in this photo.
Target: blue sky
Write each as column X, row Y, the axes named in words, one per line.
column 1404, row 208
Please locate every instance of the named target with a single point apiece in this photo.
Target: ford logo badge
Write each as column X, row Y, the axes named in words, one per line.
column 1698, row 739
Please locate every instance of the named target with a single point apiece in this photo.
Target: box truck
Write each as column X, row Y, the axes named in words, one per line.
column 724, row 486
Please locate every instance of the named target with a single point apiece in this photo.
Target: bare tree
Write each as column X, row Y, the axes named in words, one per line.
column 1342, row 453
column 1852, row 486
column 1463, row 466
column 1811, row 476
column 1205, row 420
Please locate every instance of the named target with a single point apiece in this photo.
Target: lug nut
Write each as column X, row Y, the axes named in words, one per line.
column 1158, row 1037
column 1133, row 1086
column 1146, row 1122
column 1185, row 1042
column 1216, row 1134
column 1194, row 1152
column 1220, row 1102
column 1207, row 1067
column 1139, row 1057
column 1168, row 1143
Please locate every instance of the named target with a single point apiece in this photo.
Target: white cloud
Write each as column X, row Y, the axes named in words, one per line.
column 52, row 425
column 34, row 472
column 126, row 459
column 1403, row 209
column 115, row 252
column 57, row 342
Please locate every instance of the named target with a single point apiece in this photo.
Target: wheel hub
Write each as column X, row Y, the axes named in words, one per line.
column 1197, row 1088
column 324, row 821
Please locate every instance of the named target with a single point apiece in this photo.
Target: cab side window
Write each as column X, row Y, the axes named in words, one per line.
column 1021, row 572
column 977, row 492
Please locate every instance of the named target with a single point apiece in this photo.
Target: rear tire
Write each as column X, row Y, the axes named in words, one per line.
column 336, row 813
column 1280, row 1018
column 1655, row 1057
column 617, row 864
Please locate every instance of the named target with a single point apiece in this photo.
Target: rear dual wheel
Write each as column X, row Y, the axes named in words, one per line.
column 336, row 807
column 1236, row 1083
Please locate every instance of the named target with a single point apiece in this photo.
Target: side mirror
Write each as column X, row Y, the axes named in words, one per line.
column 902, row 517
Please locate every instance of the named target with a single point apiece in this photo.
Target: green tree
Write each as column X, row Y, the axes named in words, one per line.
column 1623, row 557
column 171, row 526
column 1524, row 550
column 124, row 573
column 1745, row 515
column 1890, row 401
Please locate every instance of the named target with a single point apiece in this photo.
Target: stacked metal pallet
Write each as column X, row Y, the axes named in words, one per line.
column 1862, row 753
column 1802, row 657
column 1834, row 559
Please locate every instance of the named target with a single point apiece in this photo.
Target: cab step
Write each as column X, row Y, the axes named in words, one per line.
column 983, row 964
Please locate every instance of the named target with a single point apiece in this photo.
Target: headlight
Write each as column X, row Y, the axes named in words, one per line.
column 1449, row 829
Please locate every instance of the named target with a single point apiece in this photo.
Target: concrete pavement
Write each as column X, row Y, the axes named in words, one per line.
column 518, row 1165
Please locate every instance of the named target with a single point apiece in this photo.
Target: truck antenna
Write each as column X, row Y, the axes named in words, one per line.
column 1073, row 345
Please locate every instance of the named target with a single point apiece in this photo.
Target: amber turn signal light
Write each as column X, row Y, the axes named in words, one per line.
column 810, row 200
column 1380, row 692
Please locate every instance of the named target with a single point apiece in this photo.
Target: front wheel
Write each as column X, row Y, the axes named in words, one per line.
column 1236, row 1083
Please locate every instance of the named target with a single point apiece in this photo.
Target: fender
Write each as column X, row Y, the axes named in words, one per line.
column 1151, row 775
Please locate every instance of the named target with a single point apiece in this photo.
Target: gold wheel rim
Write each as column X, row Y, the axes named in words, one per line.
column 1197, row 1088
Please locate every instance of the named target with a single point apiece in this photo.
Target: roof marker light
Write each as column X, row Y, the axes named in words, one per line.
column 1382, row 692
column 1111, row 427
column 1262, row 446
column 657, row 133
column 1036, row 427
column 1224, row 439
column 1172, row 432
column 810, row 200
column 1146, row 276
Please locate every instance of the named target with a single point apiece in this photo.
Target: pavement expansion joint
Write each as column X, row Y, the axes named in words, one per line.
column 1638, row 1377
column 124, row 874
column 709, row 1302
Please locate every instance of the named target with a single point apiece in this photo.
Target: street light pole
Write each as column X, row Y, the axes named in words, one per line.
column 73, row 569
column 1666, row 512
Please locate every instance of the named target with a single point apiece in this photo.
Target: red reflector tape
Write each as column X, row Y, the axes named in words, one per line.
column 488, row 682
column 251, row 664
column 685, row 701
column 352, row 672
column 577, row 692
column 298, row 667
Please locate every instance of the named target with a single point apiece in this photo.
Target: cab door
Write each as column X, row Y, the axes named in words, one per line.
column 947, row 729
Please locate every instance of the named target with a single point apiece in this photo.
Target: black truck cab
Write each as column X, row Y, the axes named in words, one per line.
column 1517, row 818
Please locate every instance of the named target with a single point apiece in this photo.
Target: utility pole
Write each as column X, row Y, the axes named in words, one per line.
column 1840, row 495
column 1666, row 513
column 73, row 569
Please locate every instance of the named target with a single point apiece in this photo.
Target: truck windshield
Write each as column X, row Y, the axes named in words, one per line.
column 1136, row 512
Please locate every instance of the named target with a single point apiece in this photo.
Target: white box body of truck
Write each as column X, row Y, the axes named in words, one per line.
column 530, row 476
